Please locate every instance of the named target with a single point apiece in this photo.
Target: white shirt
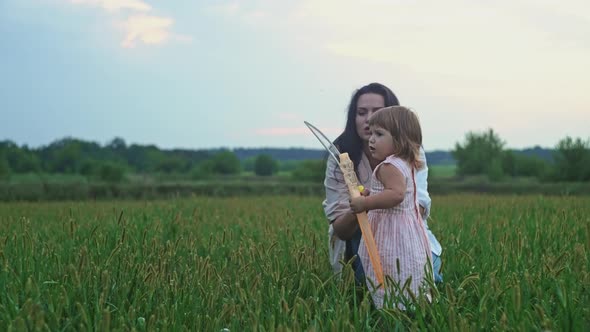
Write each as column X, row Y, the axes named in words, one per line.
column 425, row 201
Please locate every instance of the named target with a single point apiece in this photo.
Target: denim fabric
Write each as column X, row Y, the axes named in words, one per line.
column 437, row 263
column 352, row 248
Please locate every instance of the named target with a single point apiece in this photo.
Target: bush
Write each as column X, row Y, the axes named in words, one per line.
column 264, row 165
column 172, row 164
column 572, row 158
column 4, row 168
column 226, row 163
column 248, row 164
column 494, row 171
column 203, row 170
column 522, row 165
column 111, row 172
column 310, row 170
column 479, row 153
column 88, row 168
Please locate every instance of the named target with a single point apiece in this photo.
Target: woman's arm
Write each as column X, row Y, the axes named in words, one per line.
column 336, row 205
column 422, row 187
column 345, row 226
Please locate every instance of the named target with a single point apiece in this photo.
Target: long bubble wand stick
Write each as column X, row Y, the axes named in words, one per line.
column 347, row 167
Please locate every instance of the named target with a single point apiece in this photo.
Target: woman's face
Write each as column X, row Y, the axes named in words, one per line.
column 366, row 105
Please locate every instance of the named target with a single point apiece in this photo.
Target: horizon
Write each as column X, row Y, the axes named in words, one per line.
column 321, row 148
column 200, row 75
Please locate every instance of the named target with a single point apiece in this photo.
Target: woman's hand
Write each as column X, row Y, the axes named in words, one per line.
column 346, row 225
column 358, row 204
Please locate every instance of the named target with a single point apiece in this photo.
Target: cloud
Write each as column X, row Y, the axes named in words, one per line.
column 138, row 27
column 146, row 29
column 461, row 39
column 458, row 47
column 116, row 5
column 458, row 59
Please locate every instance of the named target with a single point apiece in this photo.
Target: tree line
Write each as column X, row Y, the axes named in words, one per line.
column 112, row 161
column 480, row 153
column 484, row 153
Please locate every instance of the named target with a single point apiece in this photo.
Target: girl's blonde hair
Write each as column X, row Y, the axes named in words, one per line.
column 404, row 127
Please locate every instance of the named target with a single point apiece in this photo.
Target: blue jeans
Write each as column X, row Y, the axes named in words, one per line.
column 437, row 263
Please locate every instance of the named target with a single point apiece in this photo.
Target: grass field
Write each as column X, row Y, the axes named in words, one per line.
column 260, row 263
column 442, row 171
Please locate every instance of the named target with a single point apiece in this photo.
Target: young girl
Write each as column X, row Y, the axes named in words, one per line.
column 394, row 215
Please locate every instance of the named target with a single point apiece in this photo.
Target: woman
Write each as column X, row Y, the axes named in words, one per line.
column 344, row 233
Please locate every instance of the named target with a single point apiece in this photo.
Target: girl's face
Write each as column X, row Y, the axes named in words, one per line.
column 380, row 143
column 366, row 105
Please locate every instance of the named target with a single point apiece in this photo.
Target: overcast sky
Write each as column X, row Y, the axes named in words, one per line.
column 201, row 74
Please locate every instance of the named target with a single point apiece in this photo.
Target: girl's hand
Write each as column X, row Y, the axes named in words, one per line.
column 357, row 204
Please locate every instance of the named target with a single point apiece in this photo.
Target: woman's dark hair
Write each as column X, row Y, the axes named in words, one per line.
column 349, row 141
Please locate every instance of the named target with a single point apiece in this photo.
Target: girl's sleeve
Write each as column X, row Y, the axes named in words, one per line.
column 337, row 198
column 422, row 186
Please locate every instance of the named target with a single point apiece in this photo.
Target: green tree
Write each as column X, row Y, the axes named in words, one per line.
column 226, row 163
column 117, row 144
column 20, row 159
column 522, row 165
column 111, row 172
column 531, row 166
column 203, row 170
column 89, row 168
column 494, row 170
column 24, row 161
column 509, row 163
column 265, row 165
column 248, row 164
column 144, row 158
column 64, row 156
column 310, row 170
column 4, row 167
column 572, row 160
column 172, row 164
column 480, row 153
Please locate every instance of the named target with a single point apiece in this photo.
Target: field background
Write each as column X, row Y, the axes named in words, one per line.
column 260, row 263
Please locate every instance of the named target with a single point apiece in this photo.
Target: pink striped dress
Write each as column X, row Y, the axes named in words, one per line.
column 400, row 237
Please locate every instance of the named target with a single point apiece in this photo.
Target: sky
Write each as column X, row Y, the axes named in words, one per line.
column 208, row 74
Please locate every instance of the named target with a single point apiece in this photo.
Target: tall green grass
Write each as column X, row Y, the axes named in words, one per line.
column 510, row 263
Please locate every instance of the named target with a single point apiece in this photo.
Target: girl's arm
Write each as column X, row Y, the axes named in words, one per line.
column 394, row 184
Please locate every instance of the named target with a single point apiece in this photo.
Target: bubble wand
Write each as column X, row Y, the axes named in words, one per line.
column 354, row 189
